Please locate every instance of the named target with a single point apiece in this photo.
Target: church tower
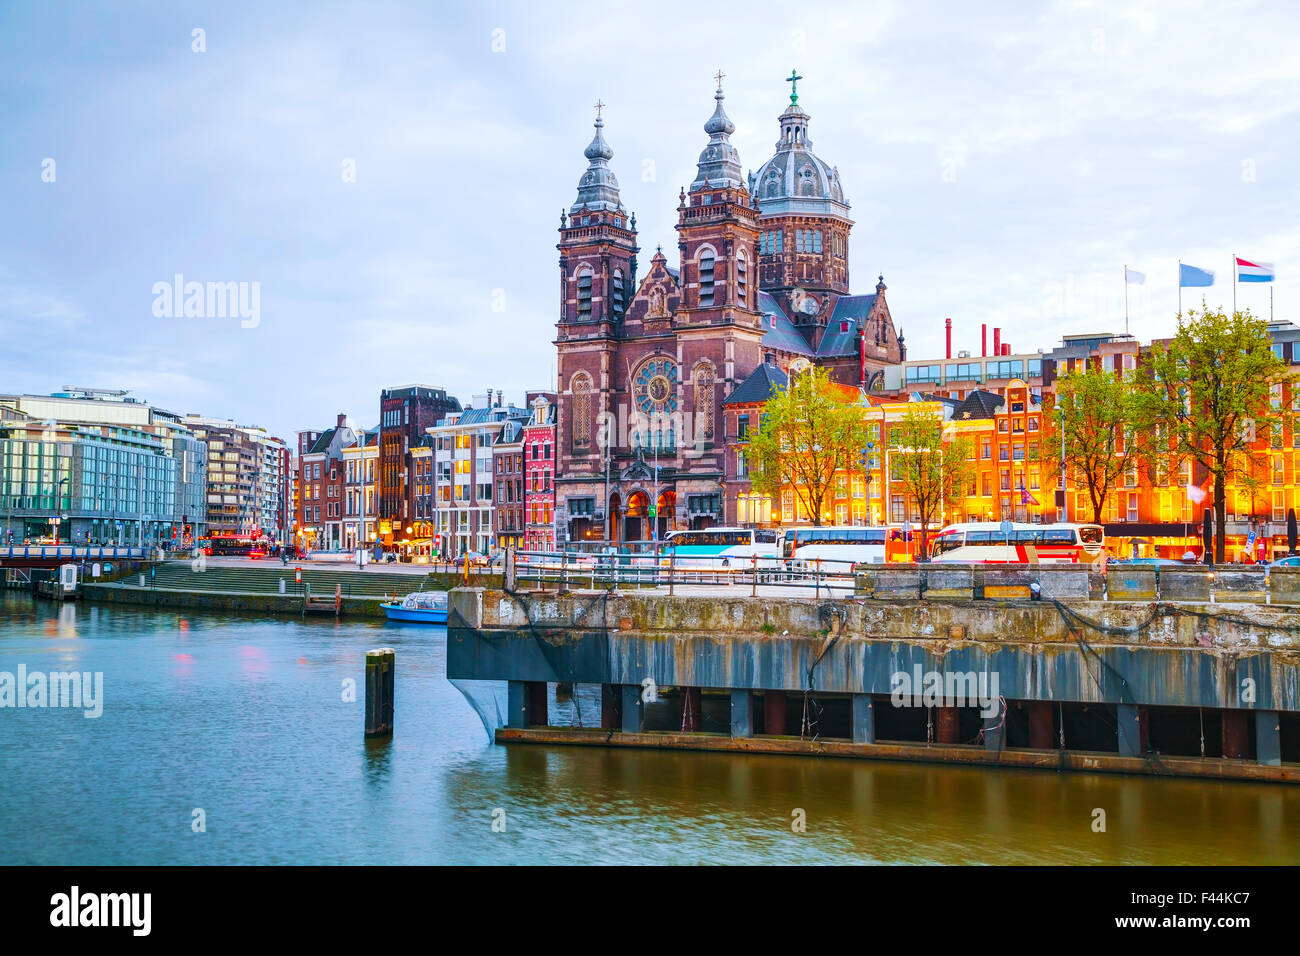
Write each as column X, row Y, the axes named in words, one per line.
column 719, row 325
column 597, row 281
column 804, row 223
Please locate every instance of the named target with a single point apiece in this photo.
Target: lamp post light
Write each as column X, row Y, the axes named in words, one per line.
column 58, row 506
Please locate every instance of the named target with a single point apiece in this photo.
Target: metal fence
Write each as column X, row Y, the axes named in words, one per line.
column 570, row 569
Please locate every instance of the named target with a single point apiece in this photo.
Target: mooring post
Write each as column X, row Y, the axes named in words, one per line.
column 381, row 666
column 862, row 715
column 1268, row 738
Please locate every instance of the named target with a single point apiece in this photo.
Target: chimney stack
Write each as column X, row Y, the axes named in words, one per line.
column 997, row 341
column 1006, row 348
column 984, row 339
column 342, row 419
column 947, row 332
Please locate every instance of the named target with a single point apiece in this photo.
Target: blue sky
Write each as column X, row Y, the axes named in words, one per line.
column 1003, row 163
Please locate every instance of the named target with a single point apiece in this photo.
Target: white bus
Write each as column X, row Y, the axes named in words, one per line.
column 992, row 542
column 722, row 547
column 859, row 544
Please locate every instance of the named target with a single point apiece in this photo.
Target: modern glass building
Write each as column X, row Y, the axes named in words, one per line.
column 91, row 466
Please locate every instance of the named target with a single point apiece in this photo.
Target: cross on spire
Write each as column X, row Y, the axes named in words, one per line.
column 718, row 76
column 599, row 106
column 793, row 79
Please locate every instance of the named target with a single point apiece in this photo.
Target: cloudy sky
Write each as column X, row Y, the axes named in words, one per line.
column 1003, row 161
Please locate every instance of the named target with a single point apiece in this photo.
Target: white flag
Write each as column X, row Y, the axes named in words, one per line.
column 1133, row 277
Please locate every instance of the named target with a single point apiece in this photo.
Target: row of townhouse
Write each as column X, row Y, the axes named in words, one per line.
column 1002, row 405
column 433, row 481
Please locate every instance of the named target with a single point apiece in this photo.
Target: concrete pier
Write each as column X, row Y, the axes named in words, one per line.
column 1122, row 685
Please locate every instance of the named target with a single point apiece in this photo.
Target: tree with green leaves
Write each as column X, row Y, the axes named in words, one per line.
column 808, row 432
column 930, row 471
column 1093, row 408
column 1208, row 396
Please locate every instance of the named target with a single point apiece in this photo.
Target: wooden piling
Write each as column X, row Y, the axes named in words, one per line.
column 381, row 668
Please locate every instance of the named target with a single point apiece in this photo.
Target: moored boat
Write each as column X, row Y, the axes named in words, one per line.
column 424, row 607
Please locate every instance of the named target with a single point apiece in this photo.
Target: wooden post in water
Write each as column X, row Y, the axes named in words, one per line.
column 381, row 667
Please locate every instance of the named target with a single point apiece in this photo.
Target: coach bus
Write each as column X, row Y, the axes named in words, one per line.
column 722, row 547
column 864, row 544
column 991, row 542
column 237, row 545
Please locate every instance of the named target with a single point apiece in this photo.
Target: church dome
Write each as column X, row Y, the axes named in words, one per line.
column 598, row 187
column 795, row 180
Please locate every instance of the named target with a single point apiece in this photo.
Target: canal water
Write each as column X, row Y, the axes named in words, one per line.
column 244, row 719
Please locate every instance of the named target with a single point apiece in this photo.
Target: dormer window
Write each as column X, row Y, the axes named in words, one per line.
column 844, row 325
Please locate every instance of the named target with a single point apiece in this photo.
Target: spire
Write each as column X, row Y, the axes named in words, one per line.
column 719, row 164
column 598, row 188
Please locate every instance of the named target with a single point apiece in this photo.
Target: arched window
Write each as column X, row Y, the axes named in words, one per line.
column 706, row 277
column 580, row 386
column 704, row 400
column 584, row 293
column 817, row 241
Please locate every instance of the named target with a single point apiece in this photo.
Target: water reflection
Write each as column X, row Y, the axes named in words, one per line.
column 244, row 717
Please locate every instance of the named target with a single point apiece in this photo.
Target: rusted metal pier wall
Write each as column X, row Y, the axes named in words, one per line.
column 1135, row 660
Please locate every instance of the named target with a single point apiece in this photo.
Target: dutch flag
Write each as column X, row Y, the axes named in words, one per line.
column 1248, row 271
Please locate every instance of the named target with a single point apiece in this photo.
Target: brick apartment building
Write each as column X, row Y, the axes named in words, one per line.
column 405, row 415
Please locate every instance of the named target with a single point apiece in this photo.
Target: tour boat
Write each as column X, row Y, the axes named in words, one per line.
column 424, row 607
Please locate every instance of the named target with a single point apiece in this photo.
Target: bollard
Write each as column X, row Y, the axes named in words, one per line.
column 381, row 667
column 141, row 579
column 282, row 585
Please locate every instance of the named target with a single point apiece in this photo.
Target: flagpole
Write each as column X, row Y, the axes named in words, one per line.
column 1234, row 283
column 1180, row 290
column 1126, row 300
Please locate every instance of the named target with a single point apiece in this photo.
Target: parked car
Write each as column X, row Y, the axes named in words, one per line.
column 1290, row 561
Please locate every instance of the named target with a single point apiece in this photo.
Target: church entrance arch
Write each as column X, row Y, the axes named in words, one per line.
column 635, row 520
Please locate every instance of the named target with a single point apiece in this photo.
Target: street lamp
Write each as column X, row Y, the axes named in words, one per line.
column 58, row 506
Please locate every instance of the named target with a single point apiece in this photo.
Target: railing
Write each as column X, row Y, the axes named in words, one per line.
column 570, row 570
column 72, row 551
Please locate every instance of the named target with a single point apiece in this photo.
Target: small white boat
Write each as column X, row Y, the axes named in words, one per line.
column 424, row 607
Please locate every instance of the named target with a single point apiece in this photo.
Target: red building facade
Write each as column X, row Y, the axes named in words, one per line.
column 644, row 368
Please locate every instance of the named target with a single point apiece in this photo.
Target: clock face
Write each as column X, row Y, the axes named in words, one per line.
column 809, row 305
column 653, row 387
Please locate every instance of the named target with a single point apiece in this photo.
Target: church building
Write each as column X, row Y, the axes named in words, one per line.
column 646, row 365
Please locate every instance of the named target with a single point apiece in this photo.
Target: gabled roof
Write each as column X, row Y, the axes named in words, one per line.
column 978, row 404
column 780, row 334
column 322, row 444
column 762, row 383
column 853, row 309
